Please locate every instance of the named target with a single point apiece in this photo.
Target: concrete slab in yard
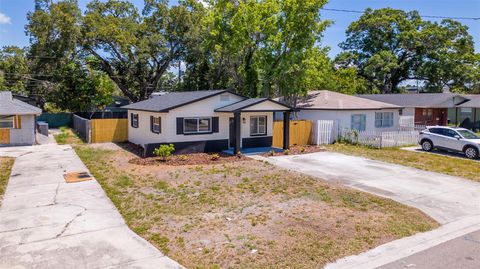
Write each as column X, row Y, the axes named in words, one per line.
column 47, row 223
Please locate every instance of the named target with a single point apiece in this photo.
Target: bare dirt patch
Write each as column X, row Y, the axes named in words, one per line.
column 189, row 159
column 247, row 214
column 295, row 150
column 5, row 170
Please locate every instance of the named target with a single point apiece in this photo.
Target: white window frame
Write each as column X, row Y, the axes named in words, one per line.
column 381, row 121
column 364, row 116
column 156, row 125
column 258, row 133
column 198, row 131
column 8, row 119
column 134, row 120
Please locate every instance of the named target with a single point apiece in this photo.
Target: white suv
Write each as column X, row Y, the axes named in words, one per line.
column 452, row 139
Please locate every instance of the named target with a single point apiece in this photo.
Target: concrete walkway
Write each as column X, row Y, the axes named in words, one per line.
column 47, row 223
column 453, row 202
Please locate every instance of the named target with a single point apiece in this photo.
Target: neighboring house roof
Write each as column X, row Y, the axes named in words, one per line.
column 439, row 100
column 166, row 102
column 244, row 104
column 10, row 106
column 328, row 100
column 473, row 102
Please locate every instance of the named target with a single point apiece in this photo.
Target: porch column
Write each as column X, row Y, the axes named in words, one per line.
column 286, row 130
column 237, row 121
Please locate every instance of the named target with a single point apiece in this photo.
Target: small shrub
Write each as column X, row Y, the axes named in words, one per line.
column 302, row 149
column 183, row 158
column 215, row 157
column 164, row 151
column 271, row 153
column 239, row 154
column 286, row 152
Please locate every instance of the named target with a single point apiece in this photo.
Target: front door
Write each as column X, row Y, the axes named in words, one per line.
column 231, row 137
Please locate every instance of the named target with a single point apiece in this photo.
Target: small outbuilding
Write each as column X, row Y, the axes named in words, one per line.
column 203, row 121
column 17, row 121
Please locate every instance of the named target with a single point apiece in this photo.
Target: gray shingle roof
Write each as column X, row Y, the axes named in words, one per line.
column 415, row 99
column 473, row 102
column 164, row 103
column 245, row 104
column 10, row 106
column 338, row 101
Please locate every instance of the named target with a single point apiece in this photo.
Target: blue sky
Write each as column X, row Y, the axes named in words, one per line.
column 13, row 17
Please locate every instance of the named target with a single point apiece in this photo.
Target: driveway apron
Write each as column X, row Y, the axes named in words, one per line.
column 454, row 202
column 48, row 223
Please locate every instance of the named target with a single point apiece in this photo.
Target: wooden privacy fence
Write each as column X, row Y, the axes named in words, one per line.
column 109, row 130
column 300, row 132
column 101, row 130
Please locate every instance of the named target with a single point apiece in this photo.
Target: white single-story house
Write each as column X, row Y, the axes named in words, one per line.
column 203, row 121
column 350, row 112
column 17, row 121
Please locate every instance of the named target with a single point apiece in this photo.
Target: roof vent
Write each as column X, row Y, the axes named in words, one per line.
column 155, row 94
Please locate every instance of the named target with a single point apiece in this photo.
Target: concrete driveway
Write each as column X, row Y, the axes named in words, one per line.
column 47, row 223
column 454, row 202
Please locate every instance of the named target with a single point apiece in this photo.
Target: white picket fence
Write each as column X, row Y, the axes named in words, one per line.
column 328, row 131
column 381, row 139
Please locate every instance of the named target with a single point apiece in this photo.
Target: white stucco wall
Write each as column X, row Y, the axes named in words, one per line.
column 203, row 108
column 25, row 135
column 344, row 117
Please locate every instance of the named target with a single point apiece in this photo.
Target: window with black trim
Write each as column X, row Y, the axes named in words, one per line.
column 258, row 125
column 134, row 120
column 156, row 122
column 197, row 125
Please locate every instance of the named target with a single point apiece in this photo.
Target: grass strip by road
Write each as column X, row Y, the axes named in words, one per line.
column 247, row 214
column 5, row 170
column 429, row 162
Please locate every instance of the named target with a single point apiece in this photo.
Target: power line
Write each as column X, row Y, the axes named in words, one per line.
column 424, row 16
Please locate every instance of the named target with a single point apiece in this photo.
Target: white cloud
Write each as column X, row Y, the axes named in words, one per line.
column 4, row 19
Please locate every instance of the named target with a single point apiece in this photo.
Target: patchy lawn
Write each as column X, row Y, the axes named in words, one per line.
column 5, row 169
column 430, row 162
column 247, row 214
column 67, row 137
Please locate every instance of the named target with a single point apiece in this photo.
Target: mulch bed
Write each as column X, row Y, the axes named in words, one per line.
column 296, row 150
column 189, row 159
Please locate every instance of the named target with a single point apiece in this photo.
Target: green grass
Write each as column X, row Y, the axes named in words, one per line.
column 5, row 170
column 213, row 216
column 430, row 162
column 67, row 136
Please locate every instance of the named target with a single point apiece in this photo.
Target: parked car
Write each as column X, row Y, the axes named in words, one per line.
column 451, row 139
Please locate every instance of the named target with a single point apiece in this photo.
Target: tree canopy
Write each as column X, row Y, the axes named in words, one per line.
column 390, row 46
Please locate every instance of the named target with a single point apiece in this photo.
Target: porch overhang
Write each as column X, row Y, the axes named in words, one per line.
column 256, row 105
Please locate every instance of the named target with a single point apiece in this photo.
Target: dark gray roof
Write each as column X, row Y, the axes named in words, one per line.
column 415, row 99
column 164, row 103
column 473, row 102
column 246, row 103
column 10, row 106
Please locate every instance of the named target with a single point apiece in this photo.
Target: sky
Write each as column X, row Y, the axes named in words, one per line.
column 13, row 17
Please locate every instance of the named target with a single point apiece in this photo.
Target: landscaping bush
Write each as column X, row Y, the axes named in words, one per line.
column 164, row 151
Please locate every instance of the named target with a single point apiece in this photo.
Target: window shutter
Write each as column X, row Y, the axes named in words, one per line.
column 18, row 122
column 151, row 124
column 131, row 119
column 215, row 124
column 159, row 124
column 179, row 125
column 266, row 125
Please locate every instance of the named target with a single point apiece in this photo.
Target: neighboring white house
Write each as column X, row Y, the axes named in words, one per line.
column 202, row 121
column 17, row 121
column 349, row 112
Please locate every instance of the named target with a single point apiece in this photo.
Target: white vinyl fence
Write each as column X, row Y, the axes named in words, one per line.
column 324, row 132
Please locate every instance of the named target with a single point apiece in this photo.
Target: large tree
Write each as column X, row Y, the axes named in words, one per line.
column 13, row 69
column 137, row 49
column 255, row 47
column 390, row 46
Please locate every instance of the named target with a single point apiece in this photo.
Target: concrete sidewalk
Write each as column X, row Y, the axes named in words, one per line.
column 454, row 202
column 47, row 223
